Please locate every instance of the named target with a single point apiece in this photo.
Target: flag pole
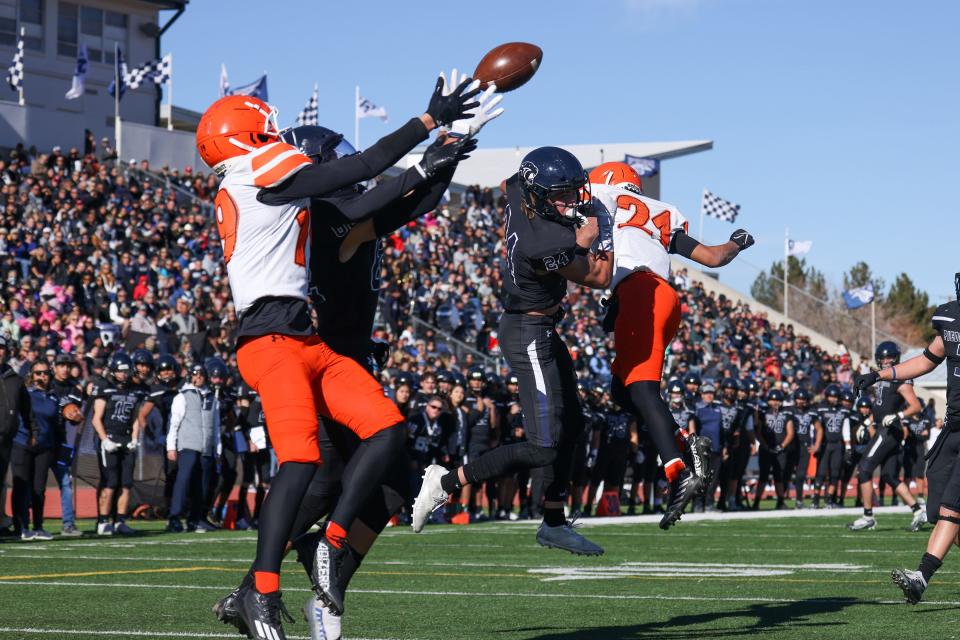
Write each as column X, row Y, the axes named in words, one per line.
column 356, row 120
column 873, row 323
column 786, row 272
column 116, row 100
column 700, row 237
column 170, row 96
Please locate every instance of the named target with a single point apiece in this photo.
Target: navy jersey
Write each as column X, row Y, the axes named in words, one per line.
column 121, row 411
column 681, row 415
column 162, row 395
column 774, row 429
column 536, row 250
column 833, row 419
column 618, row 425
column 946, row 322
column 806, row 432
column 733, row 423
column 887, row 400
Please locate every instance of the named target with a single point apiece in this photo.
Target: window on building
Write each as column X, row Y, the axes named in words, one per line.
column 100, row 30
column 22, row 13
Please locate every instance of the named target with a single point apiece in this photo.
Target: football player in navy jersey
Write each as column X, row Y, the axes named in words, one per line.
column 943, row 460
column 835, row 421
column 809, row 441
column 549, row 244
column 776, row 434
column 118, row 426
column 893, row 402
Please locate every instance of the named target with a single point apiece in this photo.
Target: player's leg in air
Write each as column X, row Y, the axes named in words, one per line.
column 645, row 313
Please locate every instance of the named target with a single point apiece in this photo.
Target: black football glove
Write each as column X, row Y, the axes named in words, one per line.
column 440, row 156
column 610, row 318
column 778, row 449
column 742, row 239
column 380, row 350
column 848, row 456
column 863, row 381
column 445, row 109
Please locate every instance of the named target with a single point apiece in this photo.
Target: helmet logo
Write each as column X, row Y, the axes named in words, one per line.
column 528, row 172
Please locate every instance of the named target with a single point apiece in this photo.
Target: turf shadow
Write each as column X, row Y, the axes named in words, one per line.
column 759, row 619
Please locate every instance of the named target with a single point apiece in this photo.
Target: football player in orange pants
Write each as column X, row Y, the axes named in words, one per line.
column 262, row 214
column 645, row 313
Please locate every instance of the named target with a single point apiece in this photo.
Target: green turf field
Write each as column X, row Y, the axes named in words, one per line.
column 797, row 578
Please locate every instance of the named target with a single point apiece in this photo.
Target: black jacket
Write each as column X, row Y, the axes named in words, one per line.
column 14, row 404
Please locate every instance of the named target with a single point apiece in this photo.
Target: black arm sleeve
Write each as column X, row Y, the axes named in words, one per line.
column 319, row 179
column 361, row 207
column 682, row 244
column 425, row 198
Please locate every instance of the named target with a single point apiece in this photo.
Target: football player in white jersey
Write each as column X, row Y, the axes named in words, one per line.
column 644, row 311
column 263, row 221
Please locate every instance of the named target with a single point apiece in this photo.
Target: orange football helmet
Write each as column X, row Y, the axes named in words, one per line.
column 615, row 173
column 233, row 126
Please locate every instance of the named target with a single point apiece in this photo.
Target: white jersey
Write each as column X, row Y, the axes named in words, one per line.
column 642, row 230
column 266, row 247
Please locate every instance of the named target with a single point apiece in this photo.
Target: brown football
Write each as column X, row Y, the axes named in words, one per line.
column 509, row 66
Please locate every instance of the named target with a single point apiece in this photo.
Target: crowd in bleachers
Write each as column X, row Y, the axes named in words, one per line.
column 98, row 258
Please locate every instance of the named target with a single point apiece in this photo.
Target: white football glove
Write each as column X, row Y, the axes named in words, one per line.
column 455, row 81
column 888, row 420
column 132, row 445
column 481, row 115
column 109, row 445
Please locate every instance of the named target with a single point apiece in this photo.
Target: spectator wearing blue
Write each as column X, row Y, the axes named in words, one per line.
column 34, row 453
column 192, row 442
column 709, row 419
column 68, row 393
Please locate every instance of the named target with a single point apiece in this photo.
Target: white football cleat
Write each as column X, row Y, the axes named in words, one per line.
column 104, row 528
column 919, row 519
column 324, row 624
column 862, row 524
column 431, row 496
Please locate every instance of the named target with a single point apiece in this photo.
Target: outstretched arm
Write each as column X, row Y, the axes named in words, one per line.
column 710, row 255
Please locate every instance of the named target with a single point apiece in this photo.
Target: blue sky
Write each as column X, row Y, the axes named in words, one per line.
column 837, row 119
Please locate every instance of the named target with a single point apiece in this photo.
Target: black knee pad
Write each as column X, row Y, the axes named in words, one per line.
column 644, row 393
column 864, row 475
column 952, row 519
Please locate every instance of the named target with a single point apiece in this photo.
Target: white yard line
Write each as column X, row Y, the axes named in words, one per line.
column 136, row 634
column 469, row 594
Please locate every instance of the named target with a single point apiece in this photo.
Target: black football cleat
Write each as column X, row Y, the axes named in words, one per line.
column 682, row 491
column 261, row 614
column 329, row 564
column 227, row 609
column 306, row 548
column 911, row 583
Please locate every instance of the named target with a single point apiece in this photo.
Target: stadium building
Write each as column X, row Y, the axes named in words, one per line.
column 54, row 31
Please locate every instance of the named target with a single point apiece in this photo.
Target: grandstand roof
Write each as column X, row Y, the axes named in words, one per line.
column 169, row 4
column 488, row 167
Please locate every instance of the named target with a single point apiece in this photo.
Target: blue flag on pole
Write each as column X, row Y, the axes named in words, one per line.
column 646, row 167
column 257, row 89
column 858, row 296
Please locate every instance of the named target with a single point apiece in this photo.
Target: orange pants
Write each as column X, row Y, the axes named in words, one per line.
column 298, row 377
column 647, row 321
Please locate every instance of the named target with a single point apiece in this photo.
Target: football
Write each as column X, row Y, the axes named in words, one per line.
column 509, row 66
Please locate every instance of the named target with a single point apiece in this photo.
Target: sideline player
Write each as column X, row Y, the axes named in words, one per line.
column 645, row 313
column 263, row 219
column 548, row 246
column 893, row 402
column 943, row 461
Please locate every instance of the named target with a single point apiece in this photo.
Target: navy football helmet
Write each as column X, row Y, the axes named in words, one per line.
column 216, row 368
column 832, row 391
column 552, row 173
column 142, row 356
column 802, row 394
column 775, row 395
column 319, row 143
column 887, row 350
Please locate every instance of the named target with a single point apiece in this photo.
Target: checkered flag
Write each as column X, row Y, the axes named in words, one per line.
column 717, row 207
column 15, row 70
column 159, row 71
column 309, row 115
